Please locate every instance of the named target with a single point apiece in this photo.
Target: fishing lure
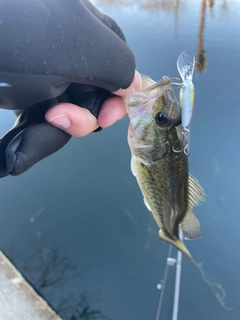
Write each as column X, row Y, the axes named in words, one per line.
column 185, row 66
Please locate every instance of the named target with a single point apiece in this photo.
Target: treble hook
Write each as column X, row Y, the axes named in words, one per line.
column 179, row 85
column 177, row 151
column 185, row 133
column 186, row 152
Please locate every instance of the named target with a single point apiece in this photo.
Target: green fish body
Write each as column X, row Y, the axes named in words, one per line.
column 158, row 163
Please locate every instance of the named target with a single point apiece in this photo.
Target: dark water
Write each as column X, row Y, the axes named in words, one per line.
column 76, row 225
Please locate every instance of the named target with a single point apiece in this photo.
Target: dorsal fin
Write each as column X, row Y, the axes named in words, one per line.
column 196, row 193
column 190, row 226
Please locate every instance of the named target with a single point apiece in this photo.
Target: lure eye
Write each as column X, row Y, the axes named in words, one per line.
column 161, row 119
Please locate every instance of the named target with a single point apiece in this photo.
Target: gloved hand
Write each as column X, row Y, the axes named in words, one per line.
column 54, row 52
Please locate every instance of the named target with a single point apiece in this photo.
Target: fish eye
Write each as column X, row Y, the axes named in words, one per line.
column 161, row 119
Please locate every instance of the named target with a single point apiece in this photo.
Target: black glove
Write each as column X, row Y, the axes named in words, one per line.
column 54, row 51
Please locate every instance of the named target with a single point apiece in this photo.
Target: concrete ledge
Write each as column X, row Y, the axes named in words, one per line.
column 18, row 300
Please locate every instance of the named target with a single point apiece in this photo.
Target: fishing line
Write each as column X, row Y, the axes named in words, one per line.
column 164, row 284
column 216, row 287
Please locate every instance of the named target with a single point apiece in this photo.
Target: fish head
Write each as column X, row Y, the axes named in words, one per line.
column 152, row 112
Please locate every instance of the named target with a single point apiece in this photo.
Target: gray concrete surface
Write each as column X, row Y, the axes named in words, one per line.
column 18, row 300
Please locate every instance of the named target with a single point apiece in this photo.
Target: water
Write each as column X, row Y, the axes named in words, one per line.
column 75, row 224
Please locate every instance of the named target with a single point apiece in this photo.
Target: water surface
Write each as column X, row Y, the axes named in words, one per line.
column 75, row 224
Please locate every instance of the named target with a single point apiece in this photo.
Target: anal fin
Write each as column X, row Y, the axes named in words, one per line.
column 190, row 226
column 132, row 167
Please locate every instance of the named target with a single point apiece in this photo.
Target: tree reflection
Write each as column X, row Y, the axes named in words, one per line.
column 49, row 273
column 174, row 6
column 201, row 53
column 153, row 5
column 211, row 3
column 161, row 5
column 81, row 310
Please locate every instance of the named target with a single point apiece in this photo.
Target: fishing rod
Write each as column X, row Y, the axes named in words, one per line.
column 177, row 280
column 163, row 286
column 171, row 262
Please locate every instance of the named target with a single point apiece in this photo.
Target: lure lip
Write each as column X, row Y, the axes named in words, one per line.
column 185, row 65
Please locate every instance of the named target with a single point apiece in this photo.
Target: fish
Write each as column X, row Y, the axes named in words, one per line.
column 159, row 163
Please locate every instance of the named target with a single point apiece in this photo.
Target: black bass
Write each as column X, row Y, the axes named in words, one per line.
column 159, row 163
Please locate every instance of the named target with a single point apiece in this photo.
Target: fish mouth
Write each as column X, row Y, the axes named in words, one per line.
column 152, row 91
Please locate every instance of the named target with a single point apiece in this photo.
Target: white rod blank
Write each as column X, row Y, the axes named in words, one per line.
column 177, row 281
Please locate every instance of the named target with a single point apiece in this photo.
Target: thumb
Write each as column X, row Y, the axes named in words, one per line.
column 135, row 85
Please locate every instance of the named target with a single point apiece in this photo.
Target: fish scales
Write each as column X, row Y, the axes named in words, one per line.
column 164, row 184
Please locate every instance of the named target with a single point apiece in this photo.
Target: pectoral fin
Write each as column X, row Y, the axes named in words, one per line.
column 190, row 226
column 147, row 204
column 132, row 167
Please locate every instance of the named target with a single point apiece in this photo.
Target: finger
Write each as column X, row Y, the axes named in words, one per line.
column 135, row 85
column 80, row 122
column 72, row 119
column 112, row 110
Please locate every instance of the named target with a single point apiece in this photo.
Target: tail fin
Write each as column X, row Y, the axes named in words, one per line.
column 178, row 244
